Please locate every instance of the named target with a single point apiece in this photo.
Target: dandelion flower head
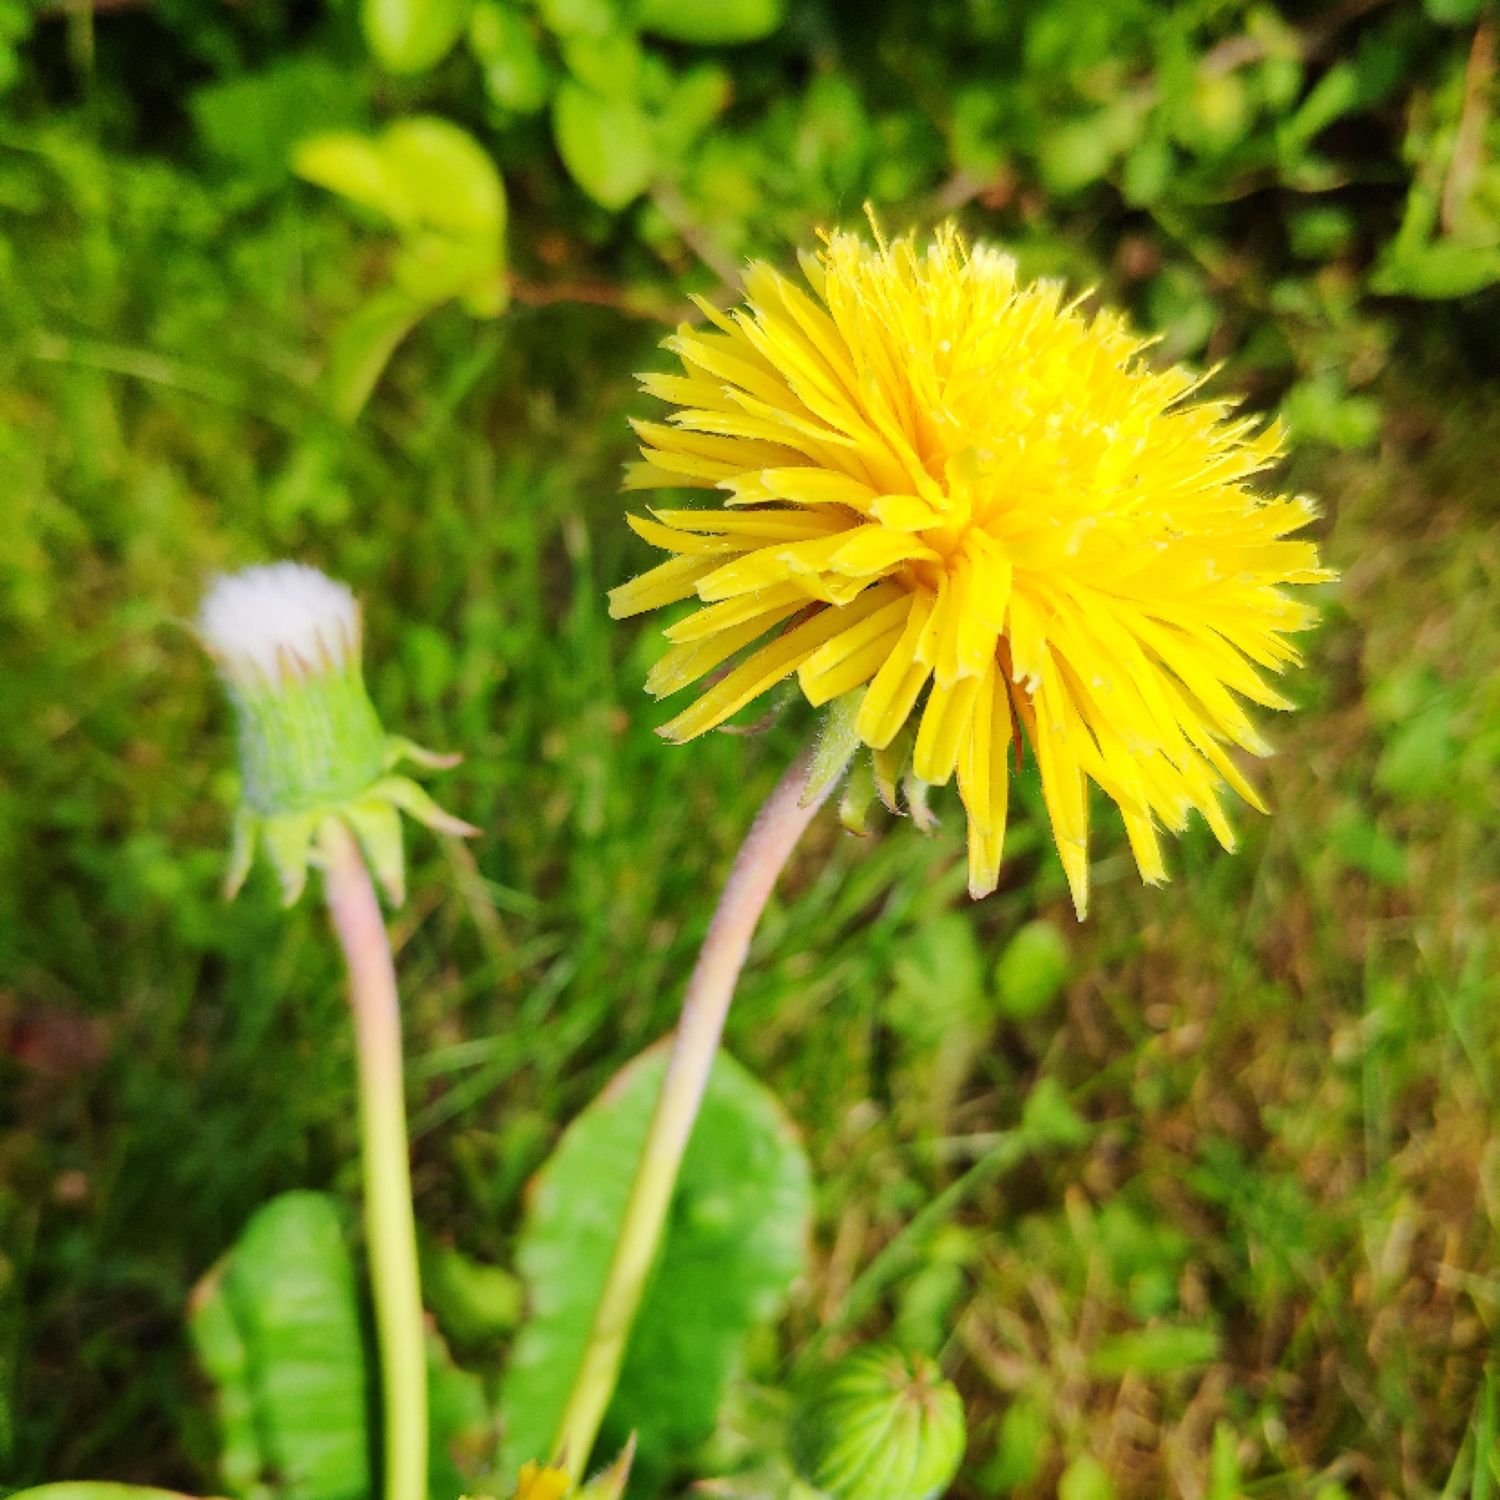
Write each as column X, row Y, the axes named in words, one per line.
column 981, row 508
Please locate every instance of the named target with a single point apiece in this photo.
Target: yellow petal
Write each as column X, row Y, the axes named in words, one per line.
column 675, row 579
column 763, row 670
column 893, row 693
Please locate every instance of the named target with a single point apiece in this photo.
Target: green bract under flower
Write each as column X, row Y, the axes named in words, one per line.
column 286, row 640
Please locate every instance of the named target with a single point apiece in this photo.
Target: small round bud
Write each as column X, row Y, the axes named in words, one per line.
column 879, row 1425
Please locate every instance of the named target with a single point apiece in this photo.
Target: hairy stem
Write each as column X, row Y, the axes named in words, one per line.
column 390, row 1228
column 772, row 837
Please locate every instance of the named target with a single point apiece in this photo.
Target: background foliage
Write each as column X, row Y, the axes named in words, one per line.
column 1196, row 1199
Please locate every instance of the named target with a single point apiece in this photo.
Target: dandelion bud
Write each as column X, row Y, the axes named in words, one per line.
column 879, row 1425
column 286, row 640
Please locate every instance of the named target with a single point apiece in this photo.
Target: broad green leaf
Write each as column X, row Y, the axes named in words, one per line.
column 276, row 1326
column 410, row 36
column 604, row 143
column 363, row 346
column 355, row 168
column 422, row 171
column 446, row 175
column 710, row 23
column 735, row 1241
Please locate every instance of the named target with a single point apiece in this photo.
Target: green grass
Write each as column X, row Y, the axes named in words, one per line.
column 1247, row 1239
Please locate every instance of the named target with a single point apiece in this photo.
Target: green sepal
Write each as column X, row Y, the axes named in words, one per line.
column 398, row 748
column 610, row 1484
column 377, row 825
column 404, row 793
column 917, row 804
column 891, row 762
column 373, row 815
column 838, row 740
column 858, row 798
column 288, row 840
column 241, row 851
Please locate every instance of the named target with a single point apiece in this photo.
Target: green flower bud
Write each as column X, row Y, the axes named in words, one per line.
column 879, row 1425
column 286, row 641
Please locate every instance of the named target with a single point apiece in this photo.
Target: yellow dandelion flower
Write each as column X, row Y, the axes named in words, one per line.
column 981, row 508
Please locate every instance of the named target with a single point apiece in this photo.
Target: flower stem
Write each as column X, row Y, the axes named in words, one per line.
column 772, row 837
column 390, row 1228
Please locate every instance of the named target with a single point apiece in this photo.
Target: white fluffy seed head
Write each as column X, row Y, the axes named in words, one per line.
column 284, row 617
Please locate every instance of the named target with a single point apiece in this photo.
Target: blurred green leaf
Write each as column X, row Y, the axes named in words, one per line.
column 1224, row 1479
column 410, row 36
column 363, row 345
column 939, row 980
column 515, row 73
column 928, row 1300
column 1421, row 755
column 1032, row 969
column 1454, row 12
column 276, row 1326
column 1322, row 409
column 574, row 18
column 96, row 1489
column 1161, row 1350
column 1085, row 1479
column 441, row 190
column 710, row 23
column 1361, row 844
column 461, row 1425
column 1436, row 271
column 736, row 1238
column 604, row 143
column 609, row 65
column 473, row 1302
column 355, row 167
column 445, row 175
column 257, row 119
column 694, row 102
column 421, row 171
column 1022, row 1445
column 1049, row 1119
